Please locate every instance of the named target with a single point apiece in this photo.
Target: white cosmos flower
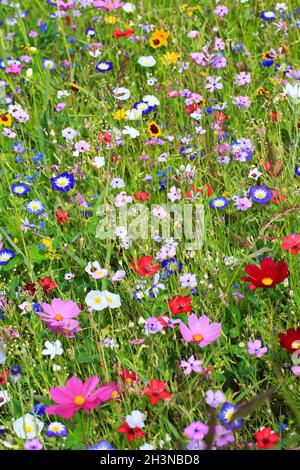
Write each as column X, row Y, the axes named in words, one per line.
column 135, row 419
column 131, row 131
column 98, row 300
column 121, row 93
column 151, row 100
column 147, row 61
column 95, row 270
column 52, row 349
column 128, row 7
column 133, row 114
column 28, row 426
column 293, row 91
column 98, row 162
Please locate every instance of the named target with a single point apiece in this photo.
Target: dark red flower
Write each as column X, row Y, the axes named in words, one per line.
column 62, row 216
column 47, row 284
column 141, row 196
column 278, row 197
column 191, row 108
column 291, row 243
column 29, row 289
column 157, row 391
column 3, row 376
column 274, row 116
column 131, row 433
column 266, row 438
column 123, row 34
column 290, row 340
column 180, row 304
column 273, row 170
column 144, row 266
column 269, row 274
column 128, row 377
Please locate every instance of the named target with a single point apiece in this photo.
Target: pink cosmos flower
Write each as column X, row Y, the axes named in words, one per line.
column 296, row 370
column 82, row 146
column 200, row 330
column 109, row 5
column 221, row 10
column 59, row 316
column 77, row 395
column 192, row 365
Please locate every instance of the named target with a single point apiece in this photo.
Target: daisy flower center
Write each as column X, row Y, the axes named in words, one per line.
column 267, row 281
column 197, row 337
column 79, row 400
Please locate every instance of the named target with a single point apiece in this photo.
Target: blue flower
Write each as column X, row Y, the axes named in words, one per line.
column 226, row 416
column 297, row 170
column 34, row 207
column 268, row 15
column 56, row 430
column 267, row 62
column 48, row 64
column 101, row 445
column 144, row 107
column 63, row 182
column 104, row 66
column 260, row 194
column 5, row 256
column 171, row 266
column 90, row 32
column 39, row 409
column 20, row 189
column 218, row 203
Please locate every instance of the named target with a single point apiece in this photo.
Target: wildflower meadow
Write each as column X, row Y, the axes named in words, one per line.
column 149, row 225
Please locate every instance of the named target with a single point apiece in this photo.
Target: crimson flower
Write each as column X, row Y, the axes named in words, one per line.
column 127, row 376
column 266, row 438
column 47, row 284
column 269, row 274
column 123, row 34
column 156, row 391
column 62, row 216
column 291, row 243
column 144, row 266
column 180, row 304
column 3, row 376
column 290, row 340
column 141, row 196
column 29, row 289
column 131, row 433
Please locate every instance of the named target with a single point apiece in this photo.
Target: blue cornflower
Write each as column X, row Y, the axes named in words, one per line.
column 56, row 430
column 226, row 416
column 15, row 373
column 267, row 62
column 144, row 107
column 5, row 256
column 171, row 266
column 104, row 66
column 101, row 445
column 63, row 182
column 20, row 189
column 268, row 15
column 39, row 409
column 90, row 32
column 34, row 207
column 218, row 203
column 260, row 194
column 48, row 64
column 297, row 170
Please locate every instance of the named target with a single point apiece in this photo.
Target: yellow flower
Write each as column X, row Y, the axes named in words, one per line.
column 154, row 129
column 47, row 243
column 171, row 57
column 120, row 114
column 110, row 19
column 159, row 38
column 5, row 119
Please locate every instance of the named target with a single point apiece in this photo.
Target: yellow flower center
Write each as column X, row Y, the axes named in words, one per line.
column 115, row 394
column 28, row 428
column 97, row 300
column 197, row 338
column 79, row 400
column 267, row 281
column 58, row 317
column 296, row 344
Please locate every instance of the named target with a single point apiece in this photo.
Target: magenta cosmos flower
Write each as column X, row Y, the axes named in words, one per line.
column 77, row 395
column 59, row 316
column 199, row 330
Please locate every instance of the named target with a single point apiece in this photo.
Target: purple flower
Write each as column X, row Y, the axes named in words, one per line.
column 223, row 436
column 214, row 399
column 243, row 203
column 33, row 444
column 196, row 430
column 196, row 445
column 191, row 365
column 153, row 325
column 254, row 348
column 188, row 280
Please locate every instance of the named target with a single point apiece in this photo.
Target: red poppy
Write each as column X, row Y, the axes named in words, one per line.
column 274, row 116
column 144, row 266
column 277, row 196
column 156, row 391
column 3, row 376
column 180, row 304
column 47, row 284
column 268, row 275
column 266, row 438
column 123, row 34
column 128, row 377
column 220, row 117
column 206, row 190
column 290, row 340
column 275, row 170
column 291, row 243
column 62, row 216
column 105, row 137
column 141, row 196
column 131, row 433
column 191, row 108
column 67, row 20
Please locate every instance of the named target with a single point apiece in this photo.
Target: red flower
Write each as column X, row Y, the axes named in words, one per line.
column 3, row 376
column 180, row 304
column 47, row 284
column 220, row 117
column 144, row 266
column 141, row 197
column 29, row 289
column 156, row 391
column 266, row 438
column 274, row 116
column 277, row 196
column 290, row 340
column 206, row 190
column 62, row 216
column 268, row 275
column 291, row 243
column 105, row 137
column 131, row 433
column 127, row 376
column 277, row 168
column 123, row 34
column 191, row 108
